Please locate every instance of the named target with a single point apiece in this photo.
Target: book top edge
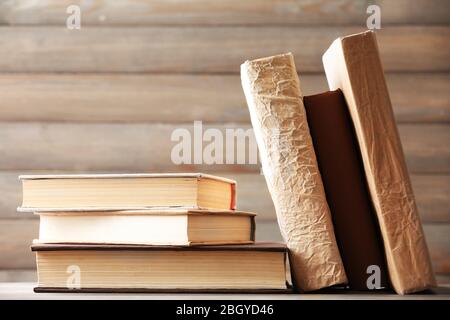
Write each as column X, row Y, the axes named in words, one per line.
column 163, row 211
column 366, row 33
column 128, row 209
column 281, row 55
column 258, row 246
column 125, row 176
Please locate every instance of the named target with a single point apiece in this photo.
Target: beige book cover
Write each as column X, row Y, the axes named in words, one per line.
column 272, row 90
column 353, row 64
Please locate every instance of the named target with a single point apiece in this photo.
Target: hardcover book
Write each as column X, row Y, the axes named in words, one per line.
column 278, row 117
column 154, row 227
column 100, row 192
column 355, row 223
column 120, row 268
column 353, row 64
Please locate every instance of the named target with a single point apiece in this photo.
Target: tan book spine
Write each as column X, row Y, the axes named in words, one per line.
column 353, row 65
column 272, row 90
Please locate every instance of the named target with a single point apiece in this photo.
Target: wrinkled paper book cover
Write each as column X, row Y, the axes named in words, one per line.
column 352, row 64
column 274, row 99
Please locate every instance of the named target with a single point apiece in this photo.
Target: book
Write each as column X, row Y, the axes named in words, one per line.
column 355, row 224
column 112, row 268
column 353, row 64
column 278, row 117
column 154, row 227
column 99, row 192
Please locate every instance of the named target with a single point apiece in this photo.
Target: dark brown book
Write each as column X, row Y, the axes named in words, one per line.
column 137, row 268
column 355, row 223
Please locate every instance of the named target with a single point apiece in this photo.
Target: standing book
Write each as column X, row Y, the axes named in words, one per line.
column 353, row 64
column 277, row 113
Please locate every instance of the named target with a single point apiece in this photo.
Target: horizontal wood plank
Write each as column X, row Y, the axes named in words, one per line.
column 148, row 147
column 431, row 193
column 27, row 275
column 206, row 49
column 17, row 235
column 438, row 240
column 423, row 97
column 227, row 12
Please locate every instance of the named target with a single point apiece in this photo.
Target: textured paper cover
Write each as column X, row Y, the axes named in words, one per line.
column 272, row 90
column 353, row 64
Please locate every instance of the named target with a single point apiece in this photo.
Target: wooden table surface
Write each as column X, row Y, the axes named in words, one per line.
column 19, row 290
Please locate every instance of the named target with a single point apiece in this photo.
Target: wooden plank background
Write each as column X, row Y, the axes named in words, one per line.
column 200, row 49
column 224, row 12
column 106, row 98
column 156, row 98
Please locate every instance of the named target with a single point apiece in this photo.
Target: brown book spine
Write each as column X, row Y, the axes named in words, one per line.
column 355, row 223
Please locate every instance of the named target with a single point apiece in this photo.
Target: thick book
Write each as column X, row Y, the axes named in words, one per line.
column 353, row 64
column 99, row 192
column 154, row 227
column 125, row 268
column 355, row 223
column 278, row 117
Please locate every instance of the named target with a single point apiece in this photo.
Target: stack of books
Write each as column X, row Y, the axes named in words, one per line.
column 147, row 232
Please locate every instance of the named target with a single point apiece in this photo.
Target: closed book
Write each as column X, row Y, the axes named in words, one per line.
column 353, row 64
column 154, row 227
column 99, row 192
column 355, row 223
column 278, row 117
column 126, row 268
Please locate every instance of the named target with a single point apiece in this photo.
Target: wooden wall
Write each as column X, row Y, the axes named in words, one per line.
column 107, row 97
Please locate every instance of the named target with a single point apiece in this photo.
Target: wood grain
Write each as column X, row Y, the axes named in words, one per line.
column 227, row 12
column 27, row 275
column 16, row 237
column 183, row 98
column 206, row 49
column 438, row 240
column 148, row 147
